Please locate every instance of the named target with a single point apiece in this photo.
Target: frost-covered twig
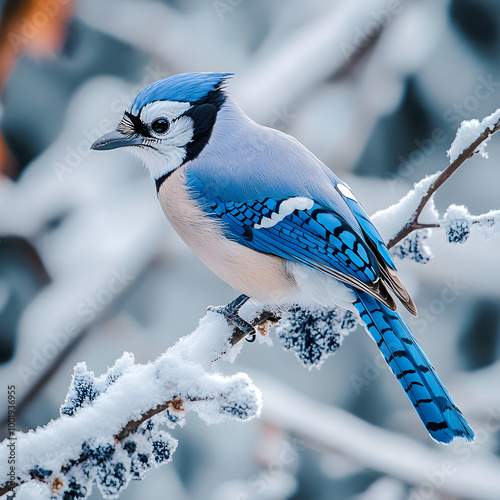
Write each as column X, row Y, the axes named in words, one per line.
column 471, row 138
column 108, row 429
column 113, row 410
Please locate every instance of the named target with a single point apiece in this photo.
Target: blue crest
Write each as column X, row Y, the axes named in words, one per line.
column 185, row 87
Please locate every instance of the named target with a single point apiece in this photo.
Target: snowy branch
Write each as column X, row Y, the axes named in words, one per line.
column 109, row 432
column 183, row 378
column 108, row 429
column 461, row 150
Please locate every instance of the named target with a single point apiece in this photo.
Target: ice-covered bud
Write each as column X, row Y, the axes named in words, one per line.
column 414, row 247
column 82, row 390
column 457, row 224
column 85, row 387
column 315, row 334
column 241, row 400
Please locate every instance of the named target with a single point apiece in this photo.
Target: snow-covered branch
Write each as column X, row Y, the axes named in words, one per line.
column 471, row 139
column 107, row 432
column 109, row 429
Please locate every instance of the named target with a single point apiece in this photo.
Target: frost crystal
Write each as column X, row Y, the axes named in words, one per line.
column 315, row 334
column 40, row 473
column 75, row 490
column 113, row 465
column 235, row 398
column 240, row 401
column 456, row 224
column 81, row 392
column 170, row 418
column 414, row 247
column 85, row 387
column 469, row 131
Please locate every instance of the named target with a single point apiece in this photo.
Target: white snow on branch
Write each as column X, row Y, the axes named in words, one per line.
column 390, row 220
column 33, row 491
column 469, row 131
column 458, row 224
column 97, row 409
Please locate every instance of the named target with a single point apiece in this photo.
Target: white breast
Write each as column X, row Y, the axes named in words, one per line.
column 255, row 274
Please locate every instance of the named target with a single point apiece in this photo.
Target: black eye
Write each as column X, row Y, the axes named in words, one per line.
column 160, row 125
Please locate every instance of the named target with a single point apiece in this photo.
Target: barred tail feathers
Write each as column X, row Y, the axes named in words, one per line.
column 441, row 417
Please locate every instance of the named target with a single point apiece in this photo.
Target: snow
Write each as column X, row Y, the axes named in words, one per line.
column 458, row 224
column 487, row 225
column 316, row 334
column 414, row 247
column 97, row 409
column 33, row 491
column 469, row 131
column 390, row 221
column 457, row 221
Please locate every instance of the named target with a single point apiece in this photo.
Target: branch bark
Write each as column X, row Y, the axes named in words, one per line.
column 414, row 224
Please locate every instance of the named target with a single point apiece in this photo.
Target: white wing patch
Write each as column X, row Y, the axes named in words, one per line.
column 286, row 207
column 346, row 191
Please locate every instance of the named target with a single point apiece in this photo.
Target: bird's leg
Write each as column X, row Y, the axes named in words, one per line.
column 230, row 312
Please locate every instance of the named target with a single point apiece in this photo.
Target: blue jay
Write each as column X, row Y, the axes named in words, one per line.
column 275, row 223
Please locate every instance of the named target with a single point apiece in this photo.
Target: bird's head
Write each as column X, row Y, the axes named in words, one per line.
column 170, row 121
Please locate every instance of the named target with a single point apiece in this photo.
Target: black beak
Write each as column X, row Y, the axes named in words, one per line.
column 114, row 140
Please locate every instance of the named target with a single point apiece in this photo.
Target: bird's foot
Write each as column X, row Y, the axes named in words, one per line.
column 230, row 313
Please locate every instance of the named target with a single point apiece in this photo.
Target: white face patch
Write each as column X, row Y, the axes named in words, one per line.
column 346, row 191
column 163, row 109
column 285, row 208
column 179, row 134
column 163, row 152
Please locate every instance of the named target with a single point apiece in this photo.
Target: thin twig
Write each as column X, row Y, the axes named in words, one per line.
column 413, row 224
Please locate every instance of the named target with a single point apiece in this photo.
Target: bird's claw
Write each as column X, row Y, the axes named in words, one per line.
column 230, row 313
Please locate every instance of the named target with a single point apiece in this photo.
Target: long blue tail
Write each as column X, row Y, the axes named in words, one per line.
column 442, row 419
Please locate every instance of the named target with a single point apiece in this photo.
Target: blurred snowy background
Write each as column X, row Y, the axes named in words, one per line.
column 89, row 267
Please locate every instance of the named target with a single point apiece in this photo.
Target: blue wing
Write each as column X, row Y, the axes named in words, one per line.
column 315, row 236
column 376, row 243
column 369, row 230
